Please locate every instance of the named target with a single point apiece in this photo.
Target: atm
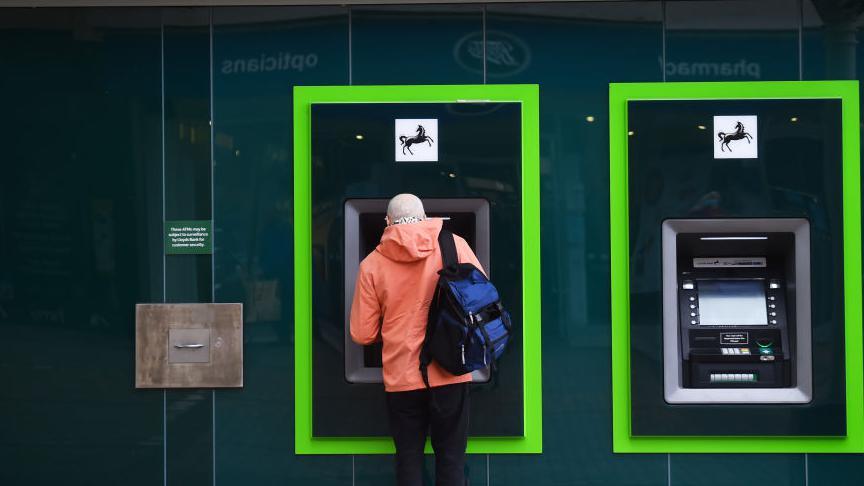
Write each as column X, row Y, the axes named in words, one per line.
column 732, row 267
column 736, row 310
column 364, row 224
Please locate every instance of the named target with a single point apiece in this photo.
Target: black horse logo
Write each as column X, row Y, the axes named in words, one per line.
column 725, row 138
column 421, row 137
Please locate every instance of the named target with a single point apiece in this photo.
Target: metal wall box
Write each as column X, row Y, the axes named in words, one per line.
column 189, row 345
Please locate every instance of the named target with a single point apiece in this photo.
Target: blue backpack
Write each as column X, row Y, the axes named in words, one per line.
column 468, row 327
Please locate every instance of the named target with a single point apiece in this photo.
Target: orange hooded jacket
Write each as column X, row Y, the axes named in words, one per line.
column 391, row 301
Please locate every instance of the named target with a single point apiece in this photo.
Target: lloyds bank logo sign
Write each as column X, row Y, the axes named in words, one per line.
column 506, row 54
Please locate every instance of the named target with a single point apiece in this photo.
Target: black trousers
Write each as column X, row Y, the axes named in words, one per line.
column 413, row 414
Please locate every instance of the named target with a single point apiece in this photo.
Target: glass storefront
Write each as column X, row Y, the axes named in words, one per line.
column 118, row 119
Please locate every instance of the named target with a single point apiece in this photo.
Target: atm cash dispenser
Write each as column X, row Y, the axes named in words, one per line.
column 736, row 310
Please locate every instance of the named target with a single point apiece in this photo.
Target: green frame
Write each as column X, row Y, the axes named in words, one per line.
column 619, row 95
column 304, row 96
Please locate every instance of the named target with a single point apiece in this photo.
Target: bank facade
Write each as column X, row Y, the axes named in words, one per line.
column 160, row 154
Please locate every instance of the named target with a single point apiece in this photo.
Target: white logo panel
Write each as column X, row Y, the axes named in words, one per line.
column 736, row 137
column 416, row 140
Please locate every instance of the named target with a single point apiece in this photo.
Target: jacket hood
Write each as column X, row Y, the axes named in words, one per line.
column 410, row 242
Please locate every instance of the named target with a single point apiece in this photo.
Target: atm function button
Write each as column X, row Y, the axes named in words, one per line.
column 693, row 322
column 688, row 285
column 773, row 321
column 774, row 285
column 692, row 299
column 692, row 306
column 772, row 306
column 771, row 297
column 773, row 314
column 692, row 314
column 745, row 350
column 724, row 350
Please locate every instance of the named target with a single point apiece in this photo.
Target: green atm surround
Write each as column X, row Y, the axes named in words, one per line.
column 528, row 96
column 619, row 96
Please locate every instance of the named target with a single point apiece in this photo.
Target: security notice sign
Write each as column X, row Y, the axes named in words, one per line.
column 189, row 237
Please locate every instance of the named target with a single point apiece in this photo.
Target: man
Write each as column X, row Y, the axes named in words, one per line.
column 391, row 303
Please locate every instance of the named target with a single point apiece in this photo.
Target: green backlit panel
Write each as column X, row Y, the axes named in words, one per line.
column 843, row 177
column 305, row 98
column 254, row 229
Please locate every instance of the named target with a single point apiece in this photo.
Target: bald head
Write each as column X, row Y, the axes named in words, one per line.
column 405, row 208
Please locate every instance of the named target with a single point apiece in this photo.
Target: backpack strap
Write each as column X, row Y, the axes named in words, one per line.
column 449, row 257
column 425, row 359
column 447, row 243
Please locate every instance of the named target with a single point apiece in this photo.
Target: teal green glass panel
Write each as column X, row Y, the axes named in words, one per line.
column 188, row 278
column 750, row 40
column 834, row 469
column 427, row 44
column 426, row 36
column 831, row 49
column 690, row 469
column 547, row 46
column 732, row 40
column 831, row 35
column 259, row 54
column 186, row 64
column 80, row 210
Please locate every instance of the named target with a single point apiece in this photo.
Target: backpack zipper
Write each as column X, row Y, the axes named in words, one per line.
column 463, row 354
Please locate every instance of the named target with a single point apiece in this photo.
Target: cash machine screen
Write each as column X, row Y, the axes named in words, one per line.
column 732, row 303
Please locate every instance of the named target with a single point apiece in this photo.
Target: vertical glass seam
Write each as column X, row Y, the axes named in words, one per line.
column 488, row 472
column 663, row 77
column 162, row 229
column 350, row 82
column 484, row 42
column 668, row 469
column 350, row 48
column 800, row 40
column 801, row 78
column 663, row 39
column 212, row 238
column 483, row 35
